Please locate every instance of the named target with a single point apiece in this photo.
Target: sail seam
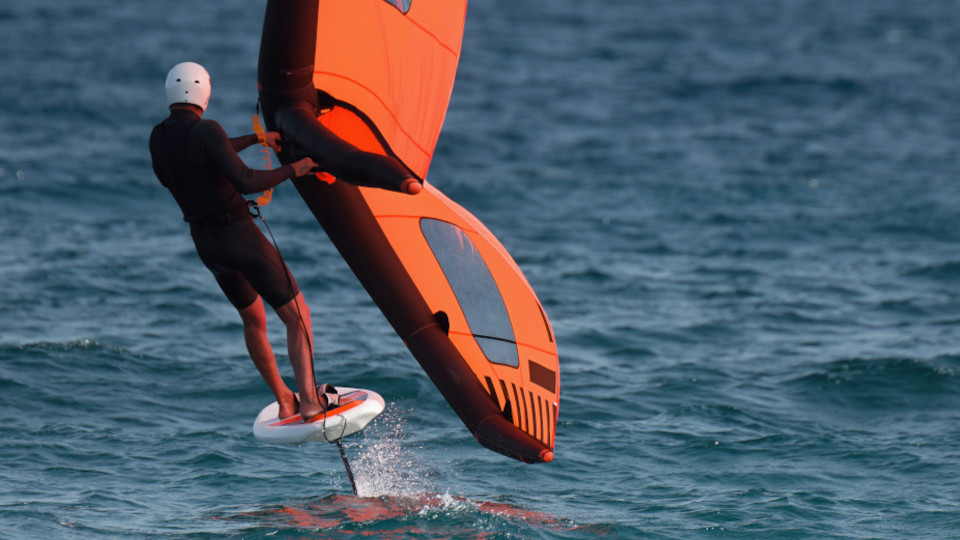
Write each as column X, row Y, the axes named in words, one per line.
column 433, row 36
column 517, row 343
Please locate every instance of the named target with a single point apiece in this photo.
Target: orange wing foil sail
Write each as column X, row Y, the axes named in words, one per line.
column 363, row 88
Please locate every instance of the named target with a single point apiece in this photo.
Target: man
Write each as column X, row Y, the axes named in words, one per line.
column 196, row 161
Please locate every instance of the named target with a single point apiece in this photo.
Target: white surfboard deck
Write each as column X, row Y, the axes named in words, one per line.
column 357, row 408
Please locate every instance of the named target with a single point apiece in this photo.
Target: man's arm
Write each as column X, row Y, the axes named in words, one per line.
column 222, row 153
column 242, row 142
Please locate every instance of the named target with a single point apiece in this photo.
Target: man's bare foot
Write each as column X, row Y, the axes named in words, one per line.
column 289, row 406
column 309, row 410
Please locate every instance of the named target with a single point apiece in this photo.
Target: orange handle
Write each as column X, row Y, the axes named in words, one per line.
column 264, row 199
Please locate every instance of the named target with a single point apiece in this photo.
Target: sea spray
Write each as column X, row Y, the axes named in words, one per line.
column 386, row 466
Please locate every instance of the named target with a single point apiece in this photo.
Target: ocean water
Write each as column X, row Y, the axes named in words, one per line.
column 741, row 218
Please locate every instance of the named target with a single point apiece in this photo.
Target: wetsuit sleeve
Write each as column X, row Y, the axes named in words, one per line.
column 242, row 142
column 226, row 161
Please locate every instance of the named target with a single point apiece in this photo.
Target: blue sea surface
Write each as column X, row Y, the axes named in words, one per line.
column 741, row 218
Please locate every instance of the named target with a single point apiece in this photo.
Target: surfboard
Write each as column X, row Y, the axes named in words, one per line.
column 357, row 408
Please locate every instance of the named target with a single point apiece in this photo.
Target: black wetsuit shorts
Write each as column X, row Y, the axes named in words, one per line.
column 243, row 261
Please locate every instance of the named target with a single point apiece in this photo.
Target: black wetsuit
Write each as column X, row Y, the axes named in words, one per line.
column 195, row 160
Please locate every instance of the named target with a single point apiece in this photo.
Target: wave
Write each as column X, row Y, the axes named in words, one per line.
column 883, row 384
column 944, row 271
column 800, row 88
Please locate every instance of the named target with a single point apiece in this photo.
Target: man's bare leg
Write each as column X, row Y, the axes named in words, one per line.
column 296, row 316
column 255, row 334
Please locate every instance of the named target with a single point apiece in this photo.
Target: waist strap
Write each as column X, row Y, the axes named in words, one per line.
column 234, row 214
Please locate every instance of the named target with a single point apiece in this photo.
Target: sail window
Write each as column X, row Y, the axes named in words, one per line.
column 475, row 289
column 402, row 5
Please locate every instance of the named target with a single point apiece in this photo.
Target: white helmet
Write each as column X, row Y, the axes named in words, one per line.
column 188, row 82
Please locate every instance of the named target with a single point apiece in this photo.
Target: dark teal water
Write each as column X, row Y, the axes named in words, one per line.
column 741, row 218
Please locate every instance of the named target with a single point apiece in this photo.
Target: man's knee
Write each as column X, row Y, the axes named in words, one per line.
column 254, row 315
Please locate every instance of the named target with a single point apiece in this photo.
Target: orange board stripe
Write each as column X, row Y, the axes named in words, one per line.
column 332, row 412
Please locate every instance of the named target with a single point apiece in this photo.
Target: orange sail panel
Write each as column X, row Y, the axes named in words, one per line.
column 369, row 81
column 397, row 68
column 495, row 320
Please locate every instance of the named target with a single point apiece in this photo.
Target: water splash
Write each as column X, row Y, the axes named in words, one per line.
column 386, row 466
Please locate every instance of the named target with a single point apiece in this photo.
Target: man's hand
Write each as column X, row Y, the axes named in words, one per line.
column 273, row 140
column 303, row 166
